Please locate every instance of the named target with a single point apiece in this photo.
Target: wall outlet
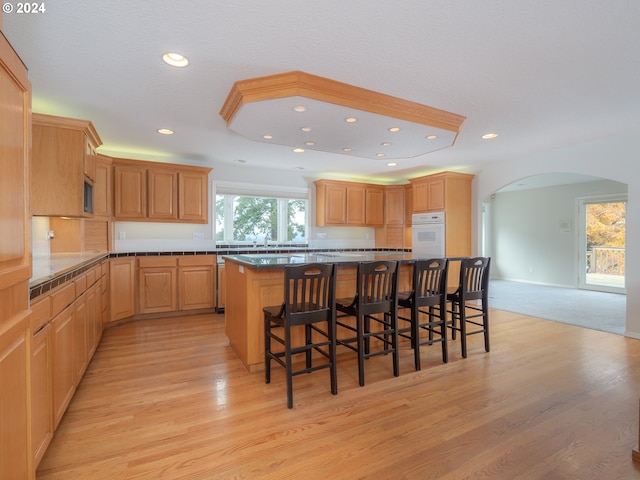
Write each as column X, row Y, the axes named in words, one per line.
column 198, row 235
column 122, row 235
column 322, row 235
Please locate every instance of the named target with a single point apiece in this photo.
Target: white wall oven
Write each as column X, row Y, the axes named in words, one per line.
column 427, row 235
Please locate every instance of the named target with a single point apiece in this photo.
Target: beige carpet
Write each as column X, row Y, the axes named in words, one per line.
column 585, row 308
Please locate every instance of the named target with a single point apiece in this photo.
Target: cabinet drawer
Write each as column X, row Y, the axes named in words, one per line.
column 91, row 277
column 159, row 261
column 81, row 284
column 196, row 260
column 60, row 299
column 40, row 313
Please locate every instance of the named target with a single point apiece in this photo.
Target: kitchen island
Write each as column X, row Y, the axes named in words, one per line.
column 256, row 281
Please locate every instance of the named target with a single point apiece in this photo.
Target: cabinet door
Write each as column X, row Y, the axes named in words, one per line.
column 102, row 188
column 420, row 197
column 436, row 194
column 356, row 201
column 130, row 192
column 157, row 289
column 41, row 398
column 335, row 204
column 193, row 197
column 163, row 194
column 89, row 160
column 63, row 363
column 394, row 210
column 122, row 288
column 15, row 451
column 15, row 105
column 221, row 287
column 374, row 205
column 80, row 336
column 196, row 287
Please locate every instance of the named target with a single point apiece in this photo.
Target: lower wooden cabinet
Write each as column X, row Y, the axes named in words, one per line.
column 175, row 283
column 196, row 282
column 221, row 288
column 63, row 363
column 122, row 288
column 41, row 395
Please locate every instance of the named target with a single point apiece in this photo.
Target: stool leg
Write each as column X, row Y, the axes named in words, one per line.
column 267, row 350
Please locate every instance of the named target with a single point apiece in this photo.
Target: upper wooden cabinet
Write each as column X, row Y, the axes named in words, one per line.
column 348, row 203
column 149, row 191
column 394, row 205
column 441, row 191
column 102, row 187
column 63, row 159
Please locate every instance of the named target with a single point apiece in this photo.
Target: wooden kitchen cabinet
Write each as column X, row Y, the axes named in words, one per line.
column 102, row 187
column 122, row 288
column 63, row 159
column 193, row 205
column 64, row 365
column 348, row 203
column 15, row 265
column 160, row 192
column 196, row 280
column 157, row 284
column 163, row 190
column 374, row 205
column 392, row 234
column 130, row 192
column 221, row 287
column 428, row 194
column 331, row 203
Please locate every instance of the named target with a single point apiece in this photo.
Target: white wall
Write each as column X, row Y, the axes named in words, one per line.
column 529, row 240
column 614, row 158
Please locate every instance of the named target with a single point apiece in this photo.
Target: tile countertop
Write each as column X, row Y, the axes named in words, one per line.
column 270, row 261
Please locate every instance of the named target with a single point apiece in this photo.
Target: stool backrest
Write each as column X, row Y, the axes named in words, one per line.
column 474, row 277
column 430, row 280
column 377, row 286
column 310, row 292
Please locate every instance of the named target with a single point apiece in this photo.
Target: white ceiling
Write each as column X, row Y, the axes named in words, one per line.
column 541, row 74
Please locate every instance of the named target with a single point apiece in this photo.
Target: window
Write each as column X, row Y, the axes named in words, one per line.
column 242, row 218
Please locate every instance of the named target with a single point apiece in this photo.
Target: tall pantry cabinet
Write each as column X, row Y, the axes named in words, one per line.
column 15, row 265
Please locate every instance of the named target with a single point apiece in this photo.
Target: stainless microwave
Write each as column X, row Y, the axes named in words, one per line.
column 88, row 197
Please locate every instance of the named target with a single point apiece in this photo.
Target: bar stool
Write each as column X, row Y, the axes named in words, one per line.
column 376, row 300
column 309, row 301
column 465, row 309
column 427, row 304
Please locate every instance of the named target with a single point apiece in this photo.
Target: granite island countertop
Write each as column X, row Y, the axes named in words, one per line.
column 270, row 261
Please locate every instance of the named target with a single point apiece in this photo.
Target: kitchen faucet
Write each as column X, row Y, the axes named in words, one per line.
column 266, row 240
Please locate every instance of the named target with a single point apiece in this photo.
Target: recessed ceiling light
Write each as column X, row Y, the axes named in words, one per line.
column 386, row 144
column 351, row 119
column 488, row 136
column 346, row 149
column 298, row 150
column 432, row 137
column 394, row 129
column 166, row 131
column 175, row 59
column 300, row 108
column 379, row 154
column 267, row 137
column 392, row 164
column 306, row 129
column 311, row 144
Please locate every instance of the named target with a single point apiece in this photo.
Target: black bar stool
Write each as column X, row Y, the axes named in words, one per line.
column 427, row 304
column 310, row 297
column 376, row 300
column 465, row 309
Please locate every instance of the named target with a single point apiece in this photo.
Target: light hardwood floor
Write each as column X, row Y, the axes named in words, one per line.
column 168, row 399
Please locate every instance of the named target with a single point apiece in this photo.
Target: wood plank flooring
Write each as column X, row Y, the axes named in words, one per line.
column 168, row 399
